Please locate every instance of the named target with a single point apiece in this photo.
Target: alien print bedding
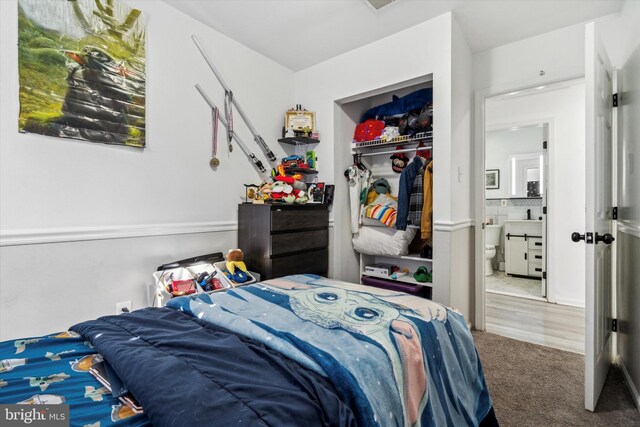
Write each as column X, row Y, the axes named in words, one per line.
column 299, row 350
column 53, row 370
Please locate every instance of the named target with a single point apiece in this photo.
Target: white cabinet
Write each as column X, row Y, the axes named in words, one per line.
column 523, row 249
column 516, row 252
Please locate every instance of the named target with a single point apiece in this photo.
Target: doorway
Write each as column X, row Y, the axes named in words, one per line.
column 533, row 160
column 515, row 207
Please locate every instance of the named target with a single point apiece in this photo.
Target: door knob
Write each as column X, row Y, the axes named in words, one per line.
column 576, row 237
column 607, row 238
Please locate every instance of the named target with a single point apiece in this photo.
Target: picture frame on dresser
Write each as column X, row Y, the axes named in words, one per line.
column 317, row 192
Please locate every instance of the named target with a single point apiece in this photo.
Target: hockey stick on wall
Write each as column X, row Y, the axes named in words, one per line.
column 229, row 96
column 235, row 136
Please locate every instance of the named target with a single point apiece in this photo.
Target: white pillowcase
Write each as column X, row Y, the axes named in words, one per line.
column 383, row 240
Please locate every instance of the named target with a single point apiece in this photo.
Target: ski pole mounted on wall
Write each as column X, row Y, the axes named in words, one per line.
column 230, row 102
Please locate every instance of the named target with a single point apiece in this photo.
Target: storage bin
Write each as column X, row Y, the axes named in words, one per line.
column 417, row 290
column 161, row 280
column 221, row 267
column 198, row 269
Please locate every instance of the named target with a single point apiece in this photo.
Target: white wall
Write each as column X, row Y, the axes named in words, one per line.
column 500, row 145
column 341, row 80
column 60, row 190
column 564, row 108
column 443, row 54
column 559, row 54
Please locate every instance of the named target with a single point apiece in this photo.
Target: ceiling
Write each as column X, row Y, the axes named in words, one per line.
column 302, row 33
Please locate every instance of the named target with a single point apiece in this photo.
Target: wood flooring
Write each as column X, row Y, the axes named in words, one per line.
column 538, row 322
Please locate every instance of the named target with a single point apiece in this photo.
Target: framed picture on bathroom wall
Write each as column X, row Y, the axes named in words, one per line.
column 492, row 179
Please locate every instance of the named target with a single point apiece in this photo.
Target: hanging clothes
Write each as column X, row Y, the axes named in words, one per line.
column 427, row 207
column 407, row 177
column 416, row 200
column 359, row 181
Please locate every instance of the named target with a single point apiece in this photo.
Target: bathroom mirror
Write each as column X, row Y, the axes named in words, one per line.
column 516, row 152
column 524, row 175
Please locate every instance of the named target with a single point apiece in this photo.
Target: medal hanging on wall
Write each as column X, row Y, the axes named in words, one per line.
column 214, row 162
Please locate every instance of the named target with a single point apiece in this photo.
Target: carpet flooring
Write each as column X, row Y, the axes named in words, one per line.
column 532, row 385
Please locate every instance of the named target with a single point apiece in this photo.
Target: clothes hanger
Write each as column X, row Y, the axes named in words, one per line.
column 361, row 165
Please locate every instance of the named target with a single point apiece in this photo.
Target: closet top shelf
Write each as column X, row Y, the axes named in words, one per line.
column 425, row 137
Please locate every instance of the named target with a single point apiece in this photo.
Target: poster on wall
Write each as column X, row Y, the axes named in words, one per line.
column 81, row 69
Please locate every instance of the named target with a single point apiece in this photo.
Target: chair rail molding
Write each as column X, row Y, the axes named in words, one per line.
column 38, row 236
column 455, row 225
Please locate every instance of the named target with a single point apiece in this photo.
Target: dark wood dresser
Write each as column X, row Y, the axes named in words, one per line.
column 278, row 240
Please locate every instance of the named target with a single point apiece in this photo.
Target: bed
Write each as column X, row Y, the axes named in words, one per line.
column 298, row 350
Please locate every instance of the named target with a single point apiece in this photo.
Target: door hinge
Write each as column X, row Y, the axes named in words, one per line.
column 614, row 325
column 544, row 145
column 544, row 210
column 544, row 275
column 614, row 213
column 615, row 99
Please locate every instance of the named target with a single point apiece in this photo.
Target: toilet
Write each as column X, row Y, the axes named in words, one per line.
column 492, row 240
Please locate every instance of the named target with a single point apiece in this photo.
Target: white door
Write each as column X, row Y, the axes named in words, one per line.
column 599, row 88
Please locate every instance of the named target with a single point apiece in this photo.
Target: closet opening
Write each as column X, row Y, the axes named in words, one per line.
column 364, row 253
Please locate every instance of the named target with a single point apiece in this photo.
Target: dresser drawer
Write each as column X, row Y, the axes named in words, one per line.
column 535, row 243
column 314, row 262
column 287, row 243
column 288, row 220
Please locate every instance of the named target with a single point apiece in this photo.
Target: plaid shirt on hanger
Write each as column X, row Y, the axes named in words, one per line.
column 416, row 200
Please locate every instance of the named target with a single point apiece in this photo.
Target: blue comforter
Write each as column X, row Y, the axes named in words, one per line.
column 186, row 372
column 395, row 359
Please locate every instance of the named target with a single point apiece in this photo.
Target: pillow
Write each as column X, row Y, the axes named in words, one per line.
column 383, row 241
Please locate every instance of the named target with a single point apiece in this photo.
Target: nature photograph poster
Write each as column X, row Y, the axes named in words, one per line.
column 81, row 66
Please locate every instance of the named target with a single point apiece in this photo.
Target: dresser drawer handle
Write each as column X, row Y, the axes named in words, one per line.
column 538, row 256
column 538, row 243
column 538, row 269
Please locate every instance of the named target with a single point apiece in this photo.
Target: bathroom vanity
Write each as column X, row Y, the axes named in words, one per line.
column 523, row 249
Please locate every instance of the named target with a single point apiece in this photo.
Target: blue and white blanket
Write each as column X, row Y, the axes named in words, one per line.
column 395, row 359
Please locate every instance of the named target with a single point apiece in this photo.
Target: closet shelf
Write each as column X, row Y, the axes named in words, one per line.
column 415, row 257
column 426, row 137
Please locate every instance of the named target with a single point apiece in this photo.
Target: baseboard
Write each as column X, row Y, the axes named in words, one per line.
column 77, row 234
column 570, row 302
column 630, row 385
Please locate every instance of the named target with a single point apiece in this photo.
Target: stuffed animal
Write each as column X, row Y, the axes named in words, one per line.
column 236, row 269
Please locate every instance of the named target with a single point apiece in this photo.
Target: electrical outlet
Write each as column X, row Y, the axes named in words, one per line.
column 503, row 202
column 123, row 307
